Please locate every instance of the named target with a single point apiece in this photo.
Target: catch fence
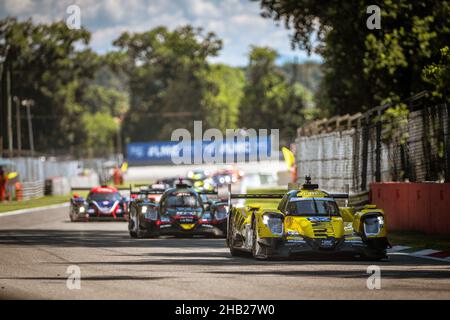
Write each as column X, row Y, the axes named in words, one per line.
column 411, row 145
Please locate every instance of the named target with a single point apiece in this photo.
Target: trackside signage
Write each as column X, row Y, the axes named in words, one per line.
column 199, row 152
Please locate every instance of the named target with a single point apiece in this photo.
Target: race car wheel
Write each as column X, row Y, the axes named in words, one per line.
column 258, row 251
column 230, row 231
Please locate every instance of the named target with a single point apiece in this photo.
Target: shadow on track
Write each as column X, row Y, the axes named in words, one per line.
column 98, row 239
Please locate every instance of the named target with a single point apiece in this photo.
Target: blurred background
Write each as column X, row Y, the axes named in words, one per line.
column 97, row 104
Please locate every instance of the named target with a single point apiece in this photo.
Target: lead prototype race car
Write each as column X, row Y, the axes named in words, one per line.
column 306, row 221
column 180, row 211
column 102, row 203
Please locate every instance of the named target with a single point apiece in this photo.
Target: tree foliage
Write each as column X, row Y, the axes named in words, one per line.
column 167, row 79
column 46, row 67
column 222, row 103
column 364, row 67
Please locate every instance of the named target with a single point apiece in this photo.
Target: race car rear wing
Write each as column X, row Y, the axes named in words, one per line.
column 341, row 195
column 252, row 195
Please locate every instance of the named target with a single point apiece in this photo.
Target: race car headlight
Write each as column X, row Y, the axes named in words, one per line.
column 144, row 209
column 373, row 225
column 274, row 223
column 81, row 210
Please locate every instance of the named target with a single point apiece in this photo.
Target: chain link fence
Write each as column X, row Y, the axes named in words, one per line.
column 33, row 189
column 370, row 147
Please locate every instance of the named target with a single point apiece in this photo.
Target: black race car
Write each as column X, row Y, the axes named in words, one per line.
column 180, row 212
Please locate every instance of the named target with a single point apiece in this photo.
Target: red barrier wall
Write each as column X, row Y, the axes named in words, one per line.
column 414, row 206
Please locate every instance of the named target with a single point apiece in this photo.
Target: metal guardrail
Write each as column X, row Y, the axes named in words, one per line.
column 33, row 189
column 359, row 200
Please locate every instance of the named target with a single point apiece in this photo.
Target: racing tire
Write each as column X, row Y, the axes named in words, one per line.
column 139, row 233
column 229, row 240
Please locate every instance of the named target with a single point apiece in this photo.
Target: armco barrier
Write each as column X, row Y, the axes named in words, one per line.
column 414, row 206
column 33, row 189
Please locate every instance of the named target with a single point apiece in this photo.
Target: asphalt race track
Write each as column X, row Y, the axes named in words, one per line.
column 37, row 248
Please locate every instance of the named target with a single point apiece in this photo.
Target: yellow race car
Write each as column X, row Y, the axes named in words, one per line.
column 307, row 220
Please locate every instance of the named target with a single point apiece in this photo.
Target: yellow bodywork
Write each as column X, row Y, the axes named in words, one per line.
column 187, row 226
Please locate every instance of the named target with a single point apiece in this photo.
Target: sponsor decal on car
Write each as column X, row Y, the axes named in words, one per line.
column 319, row 219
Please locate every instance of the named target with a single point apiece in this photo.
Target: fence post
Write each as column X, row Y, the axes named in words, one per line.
column 378, row 149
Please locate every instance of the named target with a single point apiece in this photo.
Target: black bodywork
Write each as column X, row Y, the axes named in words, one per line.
column 181, row 211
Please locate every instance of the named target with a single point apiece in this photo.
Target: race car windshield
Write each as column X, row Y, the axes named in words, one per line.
column 313, row 207
column 182, row 200
column 97, row 196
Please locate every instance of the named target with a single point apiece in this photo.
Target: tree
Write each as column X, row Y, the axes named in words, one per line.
column 100, row 132
column 438, row 75
column 362, row 67
column 269, row 101
column 97, row 98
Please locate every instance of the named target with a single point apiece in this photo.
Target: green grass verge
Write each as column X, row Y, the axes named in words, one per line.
column 33, row 203
column 419, row 240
